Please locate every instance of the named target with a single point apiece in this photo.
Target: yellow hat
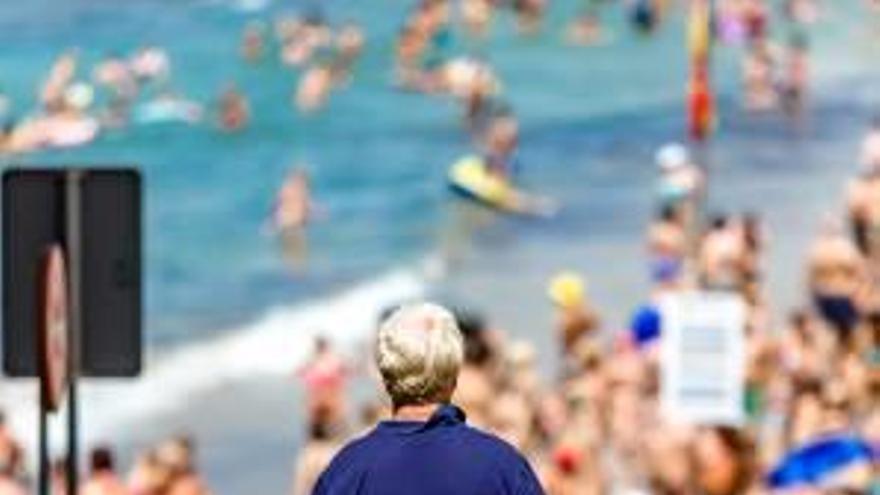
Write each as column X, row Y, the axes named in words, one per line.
column 566, row 289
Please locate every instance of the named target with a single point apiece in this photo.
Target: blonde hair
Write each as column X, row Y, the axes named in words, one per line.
column 419, row 351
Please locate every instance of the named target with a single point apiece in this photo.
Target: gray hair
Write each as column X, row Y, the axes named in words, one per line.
column 419, row 351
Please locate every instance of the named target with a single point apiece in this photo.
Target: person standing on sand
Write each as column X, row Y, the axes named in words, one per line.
column 501, row 139
column 177, row 455
column 11, row 454
column 427, row 447
column 8, row 484
column 315, row 456
column 149, row 476
column 836, row 272
column 863, row 197
column 325, row 376
column 681, row 184
column 576, row 320
column 721, row 254
column 103, row 479
column 667, row 245
column 10, row 462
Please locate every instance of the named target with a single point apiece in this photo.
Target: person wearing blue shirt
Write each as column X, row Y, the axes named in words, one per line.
column 427, row 448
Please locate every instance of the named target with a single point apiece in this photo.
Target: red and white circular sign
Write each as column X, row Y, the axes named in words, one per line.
column 53, row 326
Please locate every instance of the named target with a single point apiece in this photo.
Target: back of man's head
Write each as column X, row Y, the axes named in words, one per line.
column 419, row 351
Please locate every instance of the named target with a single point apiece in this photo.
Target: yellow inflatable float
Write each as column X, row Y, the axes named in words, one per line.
column 470, row 178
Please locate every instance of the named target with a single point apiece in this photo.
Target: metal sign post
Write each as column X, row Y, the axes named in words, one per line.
column 73, row 240
column 44, row 446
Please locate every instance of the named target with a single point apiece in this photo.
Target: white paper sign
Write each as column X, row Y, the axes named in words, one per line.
column 702, row 358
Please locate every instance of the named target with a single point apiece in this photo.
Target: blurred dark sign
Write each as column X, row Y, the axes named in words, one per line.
column 53, row 329
column 35, row 218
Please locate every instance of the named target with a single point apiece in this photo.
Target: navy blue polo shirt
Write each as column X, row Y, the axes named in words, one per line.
column 443, row 456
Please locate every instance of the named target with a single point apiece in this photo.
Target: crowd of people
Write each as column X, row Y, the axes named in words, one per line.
column 75, row 103
column 595, row 426
column 775, row 74
column 73, row 108
column 169, row 468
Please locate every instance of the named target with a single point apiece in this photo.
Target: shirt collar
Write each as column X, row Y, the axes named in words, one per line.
column 445, row 415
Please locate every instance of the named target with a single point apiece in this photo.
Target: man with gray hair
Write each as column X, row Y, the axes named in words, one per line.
column 426, row 448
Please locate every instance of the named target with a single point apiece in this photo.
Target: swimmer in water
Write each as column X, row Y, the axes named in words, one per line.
column 291, row 214
column 67, row 125
column 586, row 29
column 349, row 45
column 72, row 125
column 303, row 39
column 314, row 88
column 796, row 76
column 529, row 15
column 293, row 206
column 234, row 111
column 474, row 85
column 477, row 16
column 500, row 141
column 60, row 76
column 151, row 64
column 115, row 75
column 330, row 70
column 644, row 15
column 421, row 51
column 759, row 72
column 253, row 42
column 169, row 106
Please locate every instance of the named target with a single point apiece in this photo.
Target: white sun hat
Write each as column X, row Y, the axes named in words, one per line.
column 672, row 156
